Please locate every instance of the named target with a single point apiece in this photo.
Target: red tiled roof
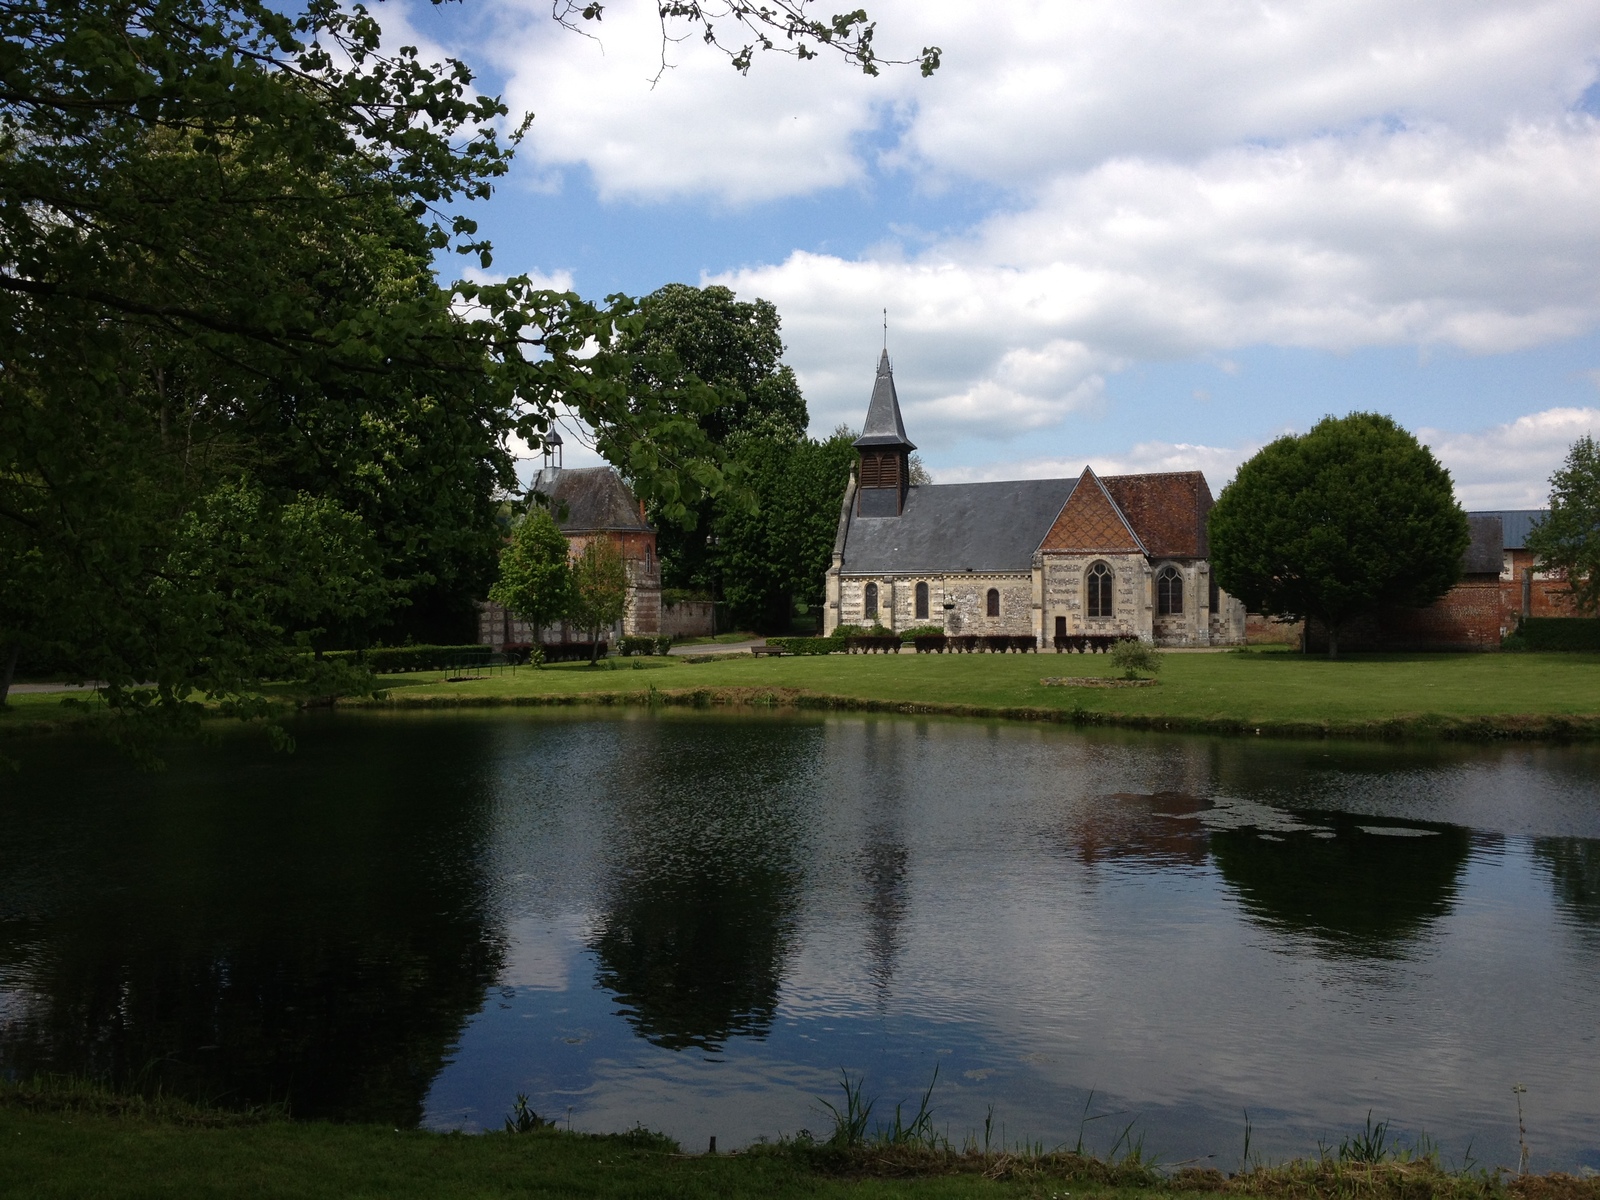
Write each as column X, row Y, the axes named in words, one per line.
column 1167, row 510
column 1089, row 523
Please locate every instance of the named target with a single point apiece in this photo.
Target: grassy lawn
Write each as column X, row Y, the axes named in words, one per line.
column 1270, row 688
column 1467, row 695
column 50, row 1153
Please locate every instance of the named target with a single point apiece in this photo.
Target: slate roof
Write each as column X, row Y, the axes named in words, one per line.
column 1168, row 511
column 587, row 499
column 1515, row 524
column 948, row 528
column 1091, row 522
column 884, row 426
column 1483, row 553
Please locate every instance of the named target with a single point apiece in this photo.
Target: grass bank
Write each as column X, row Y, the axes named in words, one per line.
column 1475, row 697
column 77, row 1141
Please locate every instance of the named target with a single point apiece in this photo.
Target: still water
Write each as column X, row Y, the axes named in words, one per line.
column 695, row 922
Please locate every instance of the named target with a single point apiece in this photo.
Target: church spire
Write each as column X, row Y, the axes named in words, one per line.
column 885, row 450
column 884, row 426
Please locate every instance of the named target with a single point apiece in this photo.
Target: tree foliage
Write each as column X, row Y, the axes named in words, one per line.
column 222, row 336
column 535, row 580
column 599, row 588
column 1568, row 540
column 1338, row 522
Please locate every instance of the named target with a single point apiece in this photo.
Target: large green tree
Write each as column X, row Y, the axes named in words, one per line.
column 774, row 554
column 1336, row 523
column 535, row 579
column 1568, row 540
column 220, row 328
column 599, row 589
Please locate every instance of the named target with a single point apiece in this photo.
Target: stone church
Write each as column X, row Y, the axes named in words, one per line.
column 1046, row 557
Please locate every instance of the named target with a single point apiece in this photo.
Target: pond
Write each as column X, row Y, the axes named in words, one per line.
column 697, row 921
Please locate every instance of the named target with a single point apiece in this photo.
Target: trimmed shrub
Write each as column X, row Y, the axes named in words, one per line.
column 930, row 643
column 1024, row 643
column 1071, row 643
column 850, row 631
column 555, row 652
column 630, row 646
column 1557, row 633
column 807, row 645
column 997, row 643
column 1130, row 656
column 663, row 643
column 920, row 631
column 874, row 644
column 394, row 660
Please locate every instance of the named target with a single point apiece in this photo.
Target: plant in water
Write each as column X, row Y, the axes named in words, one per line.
column 1371, row 1145
column 849, row 1123
column 919, row 1130
column 521, row 1118
column 1133, row 656
column 1518, row 1090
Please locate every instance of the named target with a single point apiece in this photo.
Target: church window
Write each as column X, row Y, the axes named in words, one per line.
column 1169, row 592
column 1099, row 588
column 994, row 602
column 872, row 600
column 922, row 602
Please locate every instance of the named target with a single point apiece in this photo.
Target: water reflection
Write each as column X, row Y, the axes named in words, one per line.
column 1353, row 888
column 1574, row 866
column 699, row 918
column 306, row 930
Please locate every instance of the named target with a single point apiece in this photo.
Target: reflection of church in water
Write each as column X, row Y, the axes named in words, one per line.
column 1047, row 557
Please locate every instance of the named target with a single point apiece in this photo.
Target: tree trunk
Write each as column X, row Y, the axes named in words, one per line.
column 11, row 667
column 1333, row 641
column 594, row 647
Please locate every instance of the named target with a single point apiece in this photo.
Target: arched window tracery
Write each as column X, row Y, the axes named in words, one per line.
column 1169, row 592
column 1098, row 586
column 872, row 600
column 993, row 606
column 922, row 602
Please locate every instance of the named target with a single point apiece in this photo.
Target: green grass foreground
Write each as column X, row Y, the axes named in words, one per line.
column 79, row 1141
column 1472, row 696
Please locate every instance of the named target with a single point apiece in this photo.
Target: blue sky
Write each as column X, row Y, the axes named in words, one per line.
column 1152, row 238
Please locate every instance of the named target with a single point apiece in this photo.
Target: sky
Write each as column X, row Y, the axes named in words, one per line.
column 1140, row 236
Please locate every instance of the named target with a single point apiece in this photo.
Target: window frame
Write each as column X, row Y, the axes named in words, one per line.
column 869, row 601
column 923, row 600
column 991, row 603
column 1169, row 592
column 1097, row 581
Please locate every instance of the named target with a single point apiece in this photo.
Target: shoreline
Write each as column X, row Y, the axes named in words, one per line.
column 1515, row 727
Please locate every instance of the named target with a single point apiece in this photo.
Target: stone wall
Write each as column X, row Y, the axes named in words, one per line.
column 689, row 618
column 957, row 604
column 1064, row 595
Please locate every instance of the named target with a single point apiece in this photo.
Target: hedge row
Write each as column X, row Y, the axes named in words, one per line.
column 645, row 645
column 393, row 660
column 1557, row 633
column 806, row 645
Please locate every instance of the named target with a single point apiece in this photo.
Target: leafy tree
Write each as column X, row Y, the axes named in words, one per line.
column 535, row 581
column 217, row 302
column 1568, row 540
column 1331, row 525
column 778, row 552
column 599, row 589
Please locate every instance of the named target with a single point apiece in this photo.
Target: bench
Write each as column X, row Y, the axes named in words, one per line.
column 768, row 651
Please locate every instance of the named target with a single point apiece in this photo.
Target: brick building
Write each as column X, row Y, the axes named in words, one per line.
column 590, row 502
column 1499, row 585
column 1046, row 557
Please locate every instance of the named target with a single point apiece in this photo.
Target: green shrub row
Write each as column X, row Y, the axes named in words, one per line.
column 807, row 645
column 645, row 645
column 1556, row 633
column 392, row 660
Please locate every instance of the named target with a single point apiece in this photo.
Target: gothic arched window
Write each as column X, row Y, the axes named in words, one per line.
column 994, row 602
column 922, row 602
column 1099, row 589
column 1169, row 592
column 872, row 600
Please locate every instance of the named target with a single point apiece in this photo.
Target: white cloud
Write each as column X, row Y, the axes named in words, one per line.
column 1509, row 466
column 1218, row 463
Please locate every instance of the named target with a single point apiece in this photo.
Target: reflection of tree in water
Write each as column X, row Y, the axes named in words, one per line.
column 1355, row 893
column 699, row 924
column 309, row 930
column 1574, row 866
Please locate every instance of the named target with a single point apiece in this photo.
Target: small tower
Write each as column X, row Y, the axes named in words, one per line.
column 885, row 451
